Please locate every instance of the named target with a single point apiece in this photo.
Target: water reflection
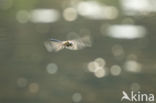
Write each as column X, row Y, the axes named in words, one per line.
column 22, row 82
column 115, row 70
column 44, row 15
column 118, row 51
column 38, row 16
column 33, row 88
column 76, row 97
column 52, row 68
column 98, row 67
column 23, row 16
column 132, row 66
column 133, row 7
column 70, row 14
column 135, row 87
column 96, row 11
column 132, row 31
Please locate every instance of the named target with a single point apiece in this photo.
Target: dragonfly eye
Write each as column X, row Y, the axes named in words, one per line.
column 68, row 44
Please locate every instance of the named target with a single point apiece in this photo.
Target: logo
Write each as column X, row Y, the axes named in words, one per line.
column 137, row 97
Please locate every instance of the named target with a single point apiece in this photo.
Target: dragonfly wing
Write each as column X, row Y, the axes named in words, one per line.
column 55, row 40
column 53, row 46
column 80, row 43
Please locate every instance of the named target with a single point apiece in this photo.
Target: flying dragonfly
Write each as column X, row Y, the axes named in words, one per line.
column 75, row 44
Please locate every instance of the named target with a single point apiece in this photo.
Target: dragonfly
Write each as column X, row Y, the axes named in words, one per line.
column 54, row 45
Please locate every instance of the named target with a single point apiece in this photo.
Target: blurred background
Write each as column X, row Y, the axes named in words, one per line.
column 122, row 55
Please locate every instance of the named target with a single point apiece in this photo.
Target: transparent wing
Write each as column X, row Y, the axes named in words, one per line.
column 55, row 40
column 80, row 43
column 53, row 46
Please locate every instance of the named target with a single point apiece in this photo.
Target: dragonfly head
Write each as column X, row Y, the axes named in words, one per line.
column 68, row 44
